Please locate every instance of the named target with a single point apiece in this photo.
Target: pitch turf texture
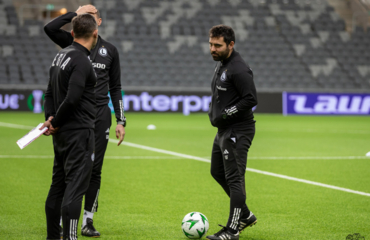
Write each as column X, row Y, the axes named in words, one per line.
column 145, row 194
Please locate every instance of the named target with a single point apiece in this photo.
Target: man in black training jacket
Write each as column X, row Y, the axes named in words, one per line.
column 105, row 60
column 70, row 110
column 233, row 97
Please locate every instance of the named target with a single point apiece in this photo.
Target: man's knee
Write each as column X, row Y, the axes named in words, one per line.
column 217, row 175
column 96, row 172
column 54, row 197
column 234, row 181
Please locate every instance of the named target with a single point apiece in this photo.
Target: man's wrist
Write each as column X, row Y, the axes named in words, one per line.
column 123, row 123
column 53, row 123
column 71, row 14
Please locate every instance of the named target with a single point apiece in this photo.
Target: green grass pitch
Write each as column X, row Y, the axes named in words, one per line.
column 145, row 194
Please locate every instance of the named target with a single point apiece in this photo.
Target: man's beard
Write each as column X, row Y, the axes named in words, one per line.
column 221, row 55
column 94, row 43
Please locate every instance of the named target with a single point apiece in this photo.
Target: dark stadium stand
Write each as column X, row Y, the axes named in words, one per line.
column 289, row 44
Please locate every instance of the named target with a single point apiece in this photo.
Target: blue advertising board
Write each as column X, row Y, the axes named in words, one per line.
column 185, row 102
column 326, row 104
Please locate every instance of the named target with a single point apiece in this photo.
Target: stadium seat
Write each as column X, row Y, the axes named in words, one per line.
column 287, row 43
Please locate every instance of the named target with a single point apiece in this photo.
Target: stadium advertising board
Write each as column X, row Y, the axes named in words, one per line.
column 137, row 101
column 326, row 104
column 188, row 102
column 185, row 102
column 22, row 100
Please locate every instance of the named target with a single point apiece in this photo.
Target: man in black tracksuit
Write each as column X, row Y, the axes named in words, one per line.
column 70, row 109
column 233, row 97
column 105, row 60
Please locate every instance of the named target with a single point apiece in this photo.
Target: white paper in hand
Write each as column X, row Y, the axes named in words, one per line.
column 31, row 136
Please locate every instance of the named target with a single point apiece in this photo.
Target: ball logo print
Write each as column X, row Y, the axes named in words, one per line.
column 195, row 225
column 355, row 236
column 103, row 52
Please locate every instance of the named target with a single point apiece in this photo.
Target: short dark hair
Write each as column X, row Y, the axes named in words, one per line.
column 223, row 31
column 84, row 25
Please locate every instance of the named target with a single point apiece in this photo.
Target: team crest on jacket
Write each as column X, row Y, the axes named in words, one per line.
column 223, row 76
column 103, row 51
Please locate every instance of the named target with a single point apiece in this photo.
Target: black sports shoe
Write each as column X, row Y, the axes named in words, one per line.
column 247, row 222
column 223, row 234
column 61, row 232
column 88, row 230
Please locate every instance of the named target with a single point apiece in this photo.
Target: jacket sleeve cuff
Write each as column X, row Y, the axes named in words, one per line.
column 74, row 14
column 54, row 123
column 123, row 123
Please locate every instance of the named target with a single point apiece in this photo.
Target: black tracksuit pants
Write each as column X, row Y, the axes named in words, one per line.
column 228, row 165
column 102, row 125
column 73, row 161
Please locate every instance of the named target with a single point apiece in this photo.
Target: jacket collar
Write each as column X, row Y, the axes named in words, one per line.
column 81, row 48
column 232, row 55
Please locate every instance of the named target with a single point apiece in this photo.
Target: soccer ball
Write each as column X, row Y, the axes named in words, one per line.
column 195, row 225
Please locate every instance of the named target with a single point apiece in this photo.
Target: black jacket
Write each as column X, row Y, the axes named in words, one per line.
column 232, row 87
column 105, row 60
column 70, row 96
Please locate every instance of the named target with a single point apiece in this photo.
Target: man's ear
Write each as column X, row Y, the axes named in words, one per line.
column 99, row 21
column 96, row 32
column 73, row 34
column 231, row 45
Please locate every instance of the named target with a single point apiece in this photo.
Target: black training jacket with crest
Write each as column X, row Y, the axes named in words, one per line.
column 105, row 60
column 232, row 85
column 70, row 96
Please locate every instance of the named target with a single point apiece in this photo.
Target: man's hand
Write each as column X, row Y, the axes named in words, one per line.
column 230, row 112
column 51, row 130
column 86, row 9
column 120, row 133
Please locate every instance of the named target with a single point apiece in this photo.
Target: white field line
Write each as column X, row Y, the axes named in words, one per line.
column 106, row 157
column 18, row 126
column 141, row 157
column 248, row 169
column 311, row 158
column 207, row 160
column 161, row 151
column 27, row 156
column 178, row 157
column 308, row 182
column 315, row 130
column 10, row 125
column 307, row 158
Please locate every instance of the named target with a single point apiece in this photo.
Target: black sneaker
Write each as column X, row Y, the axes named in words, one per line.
column 223, row 234
column 61, row 232
column 88, row 230
column 247, row 222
